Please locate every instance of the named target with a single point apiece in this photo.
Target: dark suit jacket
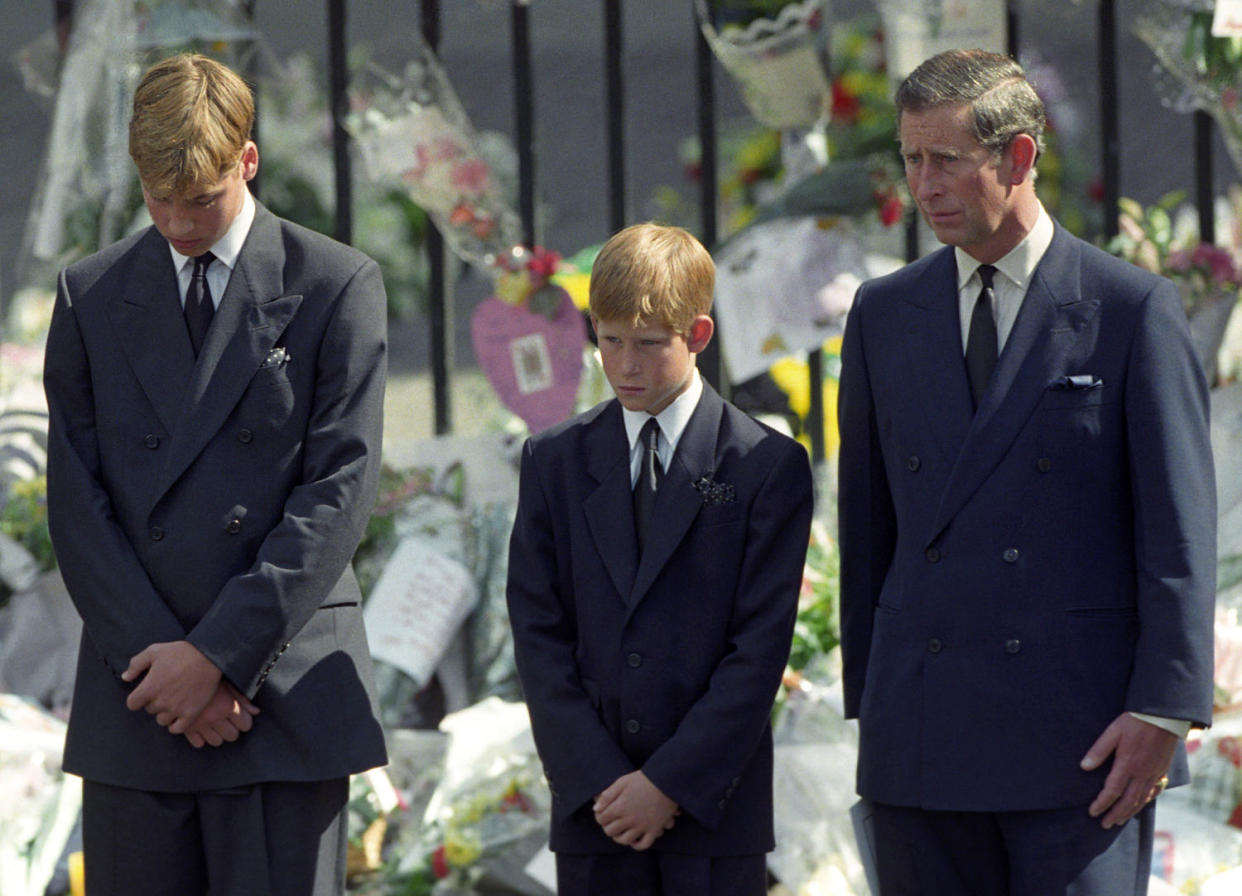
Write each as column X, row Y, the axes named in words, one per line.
column 669, row 665
column 219, row 501
column 1014, row 579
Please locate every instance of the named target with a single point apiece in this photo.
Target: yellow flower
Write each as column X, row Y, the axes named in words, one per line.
column 461, row 848
column 792, row 375
column 577, row 285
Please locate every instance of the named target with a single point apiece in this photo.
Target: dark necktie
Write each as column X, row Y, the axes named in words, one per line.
column 650, row 472
column 981, row 341
column 198, row 304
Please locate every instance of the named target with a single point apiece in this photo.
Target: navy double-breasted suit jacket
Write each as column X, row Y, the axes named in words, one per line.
column 1014, row 579
column 219, row 500
column 669, row 663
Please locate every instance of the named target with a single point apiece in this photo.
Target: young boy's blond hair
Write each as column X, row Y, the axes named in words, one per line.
column 192, row 118
column 654, row 274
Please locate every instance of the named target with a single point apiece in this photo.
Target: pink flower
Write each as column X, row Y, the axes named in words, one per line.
column 471, row 176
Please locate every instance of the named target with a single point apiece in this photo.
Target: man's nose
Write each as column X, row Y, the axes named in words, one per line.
column 924, row 185
column 179, row 222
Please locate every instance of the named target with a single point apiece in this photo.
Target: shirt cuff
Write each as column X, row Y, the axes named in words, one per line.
column 1180, row 727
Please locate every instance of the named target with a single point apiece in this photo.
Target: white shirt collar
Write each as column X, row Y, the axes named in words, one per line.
column 673, row 420
column 1020, row 262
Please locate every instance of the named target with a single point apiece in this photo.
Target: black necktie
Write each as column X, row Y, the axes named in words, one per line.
column 650, row 472
column 198, row 304
column 981, row 342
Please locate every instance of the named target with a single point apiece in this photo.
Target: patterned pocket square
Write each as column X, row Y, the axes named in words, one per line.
column 277, row 357
column 715, row 493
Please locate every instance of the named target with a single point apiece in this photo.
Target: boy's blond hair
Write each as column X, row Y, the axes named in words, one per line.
column 654, row 274
column 191, row 120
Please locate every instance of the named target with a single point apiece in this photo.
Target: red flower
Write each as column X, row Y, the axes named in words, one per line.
column 543, row 262
column 845, row 105
column 890, row 211
column 1235, row 818
column 439, row 864
column 1231, row 749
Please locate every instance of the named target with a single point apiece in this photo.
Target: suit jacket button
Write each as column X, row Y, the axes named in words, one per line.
column 634, row 660
column 913, row 464
column 934, row 645
column 1011, row 555
column 1044, row 464
column 933, row 555
column 156, row 533
column 244, row 436
column 152, row 441
column 632, row 726
column 1013, row 645
column 233, row 527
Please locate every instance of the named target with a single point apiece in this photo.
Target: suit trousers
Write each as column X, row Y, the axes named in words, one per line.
column 1044, row 853
column 652, row 873
column 269, row 839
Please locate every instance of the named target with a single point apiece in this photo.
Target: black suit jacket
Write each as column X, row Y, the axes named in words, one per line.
column 219, row 500
column 668, row 664
column 1014, row 579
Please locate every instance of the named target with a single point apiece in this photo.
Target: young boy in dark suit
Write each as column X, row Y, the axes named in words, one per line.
column 215, row 386
column 654, row 570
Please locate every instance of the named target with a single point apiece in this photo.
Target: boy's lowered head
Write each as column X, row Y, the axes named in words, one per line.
column 190, row 139
column 650, row 301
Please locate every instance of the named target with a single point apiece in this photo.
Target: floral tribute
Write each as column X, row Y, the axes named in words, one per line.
column 413, row 128
column 528, row 338
column 1206, row 71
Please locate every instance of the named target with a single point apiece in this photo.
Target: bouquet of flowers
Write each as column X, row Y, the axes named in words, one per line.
column 1162, row 238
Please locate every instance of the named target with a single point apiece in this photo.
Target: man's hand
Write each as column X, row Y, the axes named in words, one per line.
column 1142, row 753
column 633, row 811
column 177, row 683
column 228, row 715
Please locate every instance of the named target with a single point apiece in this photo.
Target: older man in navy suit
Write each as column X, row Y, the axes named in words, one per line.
column 1027, row 524
column 210, row 470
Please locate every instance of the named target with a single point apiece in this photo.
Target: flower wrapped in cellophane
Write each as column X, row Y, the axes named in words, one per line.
column 413, row 128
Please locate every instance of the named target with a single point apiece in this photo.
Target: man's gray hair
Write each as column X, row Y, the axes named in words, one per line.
column 994, row 86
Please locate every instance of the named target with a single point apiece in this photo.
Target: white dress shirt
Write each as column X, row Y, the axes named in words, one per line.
column 226, row 250
column 672, row 422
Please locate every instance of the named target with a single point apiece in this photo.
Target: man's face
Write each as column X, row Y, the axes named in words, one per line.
column 649, row 365
column 195, row 220
column 964, row 191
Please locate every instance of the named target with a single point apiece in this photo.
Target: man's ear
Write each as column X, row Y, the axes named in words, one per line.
column 249, row 160
column 1022, row 151
column 700, row 333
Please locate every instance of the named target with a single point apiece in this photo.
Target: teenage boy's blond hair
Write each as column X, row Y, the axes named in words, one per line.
column 191, row 119
column 652, row 274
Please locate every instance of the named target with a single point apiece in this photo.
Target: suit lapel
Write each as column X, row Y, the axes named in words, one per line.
column 150, row 328
column 934, row 332
column 609, row 509
column 251, row 318
column 679, row 502
column 1052, row 316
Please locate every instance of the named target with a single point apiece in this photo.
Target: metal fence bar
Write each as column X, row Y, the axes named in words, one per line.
column 338, row 83
column 1205, row 190
column 1110, row 140
column 710, row 361
column 524, row 105
column 439, row 310
column 614, row 40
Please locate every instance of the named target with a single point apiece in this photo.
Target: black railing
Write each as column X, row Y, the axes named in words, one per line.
column 440, row 305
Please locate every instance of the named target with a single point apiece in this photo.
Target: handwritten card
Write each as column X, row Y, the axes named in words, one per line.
column 420, row 601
